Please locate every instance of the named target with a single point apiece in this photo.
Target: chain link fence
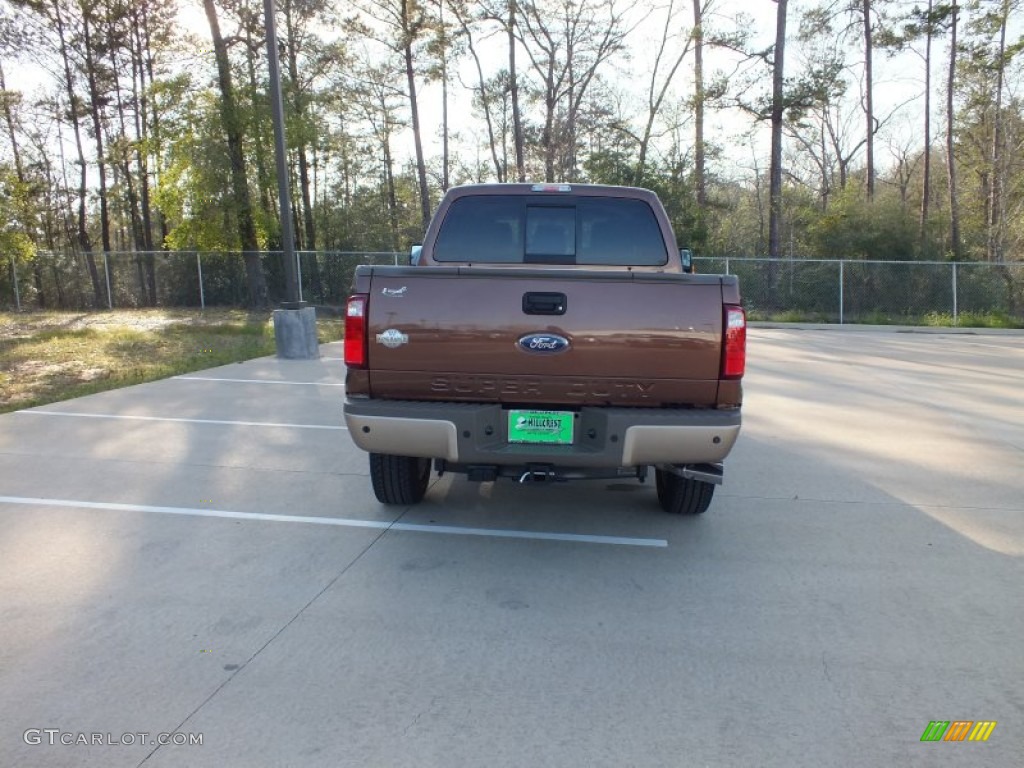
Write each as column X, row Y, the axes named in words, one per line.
column 174, row 279
column 819, row 290
column 841, row 291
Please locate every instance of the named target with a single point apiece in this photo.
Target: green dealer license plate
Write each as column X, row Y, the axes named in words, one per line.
column 545, row 427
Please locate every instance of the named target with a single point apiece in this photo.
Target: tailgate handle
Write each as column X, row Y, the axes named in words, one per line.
column 543, row 303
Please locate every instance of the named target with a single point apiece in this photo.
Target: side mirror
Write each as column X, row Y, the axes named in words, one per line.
column 686, row 257
column 414, row 255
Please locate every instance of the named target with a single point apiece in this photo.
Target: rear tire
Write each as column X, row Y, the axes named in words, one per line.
column 682, row 495
column 399, row 479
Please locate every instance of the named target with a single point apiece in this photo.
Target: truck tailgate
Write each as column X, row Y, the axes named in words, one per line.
column 543, row 336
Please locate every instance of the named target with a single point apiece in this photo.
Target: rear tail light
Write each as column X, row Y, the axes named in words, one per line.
column 355, row 331
column 734, row 353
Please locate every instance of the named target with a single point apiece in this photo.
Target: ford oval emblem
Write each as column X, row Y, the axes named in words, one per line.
column 543, row 343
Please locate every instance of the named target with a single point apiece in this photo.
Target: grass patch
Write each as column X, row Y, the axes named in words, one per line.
column 931, row 319
column 789, row 316
column 52, row 356
column 973, row 320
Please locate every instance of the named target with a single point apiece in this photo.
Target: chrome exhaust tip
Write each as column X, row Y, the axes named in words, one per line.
column 536, row 476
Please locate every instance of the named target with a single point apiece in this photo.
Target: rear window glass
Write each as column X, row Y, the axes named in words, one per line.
column 545, row 230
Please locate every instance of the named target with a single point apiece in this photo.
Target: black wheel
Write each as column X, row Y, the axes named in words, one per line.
column 399, row 479
column 681, row 495
column 662, row 484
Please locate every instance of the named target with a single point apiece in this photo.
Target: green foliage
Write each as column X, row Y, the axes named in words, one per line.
column 194, row 192
column 16, row 217
column 737, row 224
column 614, row 166
column 854, row 228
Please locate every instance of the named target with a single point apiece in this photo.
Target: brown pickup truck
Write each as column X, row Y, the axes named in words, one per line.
column 543, row 333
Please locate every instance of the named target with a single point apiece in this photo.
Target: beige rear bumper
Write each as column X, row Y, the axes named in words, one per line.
column 605, row 437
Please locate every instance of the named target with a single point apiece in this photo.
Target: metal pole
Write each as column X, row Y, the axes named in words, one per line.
column 841, row 272
column 727, row 266
column 17, row 293
column 956, row 308
column 106, row 272
column 291, row 289
column 298, row 272
column 199, row 269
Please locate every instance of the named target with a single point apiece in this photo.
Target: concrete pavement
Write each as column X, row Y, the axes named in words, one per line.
column 203, row 556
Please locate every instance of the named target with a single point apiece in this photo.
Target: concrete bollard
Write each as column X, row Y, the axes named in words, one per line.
column 295, row 334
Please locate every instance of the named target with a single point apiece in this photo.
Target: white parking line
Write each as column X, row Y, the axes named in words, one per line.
column 179, row 420
column 337, row 521
column 261, row 381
